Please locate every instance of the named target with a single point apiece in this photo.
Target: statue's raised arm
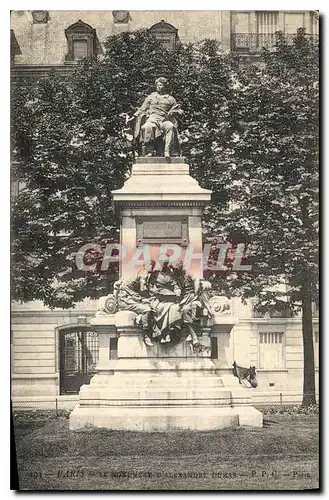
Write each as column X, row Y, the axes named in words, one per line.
column 156, row 127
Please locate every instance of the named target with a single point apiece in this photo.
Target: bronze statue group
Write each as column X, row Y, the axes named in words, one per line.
column 168, row 302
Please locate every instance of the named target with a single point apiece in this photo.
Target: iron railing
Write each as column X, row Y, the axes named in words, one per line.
column 254, row 42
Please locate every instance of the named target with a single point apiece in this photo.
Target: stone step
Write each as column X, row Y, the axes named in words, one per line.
column 96, row 396
column 164, row 382
column 159, row 367
column 163, row 418
column 99, row 403
column 87, row 392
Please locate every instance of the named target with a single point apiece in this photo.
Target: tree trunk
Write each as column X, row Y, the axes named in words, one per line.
column 309, row 373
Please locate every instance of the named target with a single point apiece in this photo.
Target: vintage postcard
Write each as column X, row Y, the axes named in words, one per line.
column 164, row 278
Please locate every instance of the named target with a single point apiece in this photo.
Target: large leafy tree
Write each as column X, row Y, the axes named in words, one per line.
column 273, row 185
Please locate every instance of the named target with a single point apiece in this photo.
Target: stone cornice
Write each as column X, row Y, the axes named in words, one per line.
column 21, row 72
column 274, row 321
column 162, row 203
column 63, row 312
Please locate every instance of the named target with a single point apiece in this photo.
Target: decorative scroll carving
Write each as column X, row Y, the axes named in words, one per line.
column 220, row 305
column 107, row 305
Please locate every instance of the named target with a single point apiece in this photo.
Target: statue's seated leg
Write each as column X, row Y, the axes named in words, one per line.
column 187, row 317
column 169, row 131
column 191, row 335
column 177, row 145
column 148, row 135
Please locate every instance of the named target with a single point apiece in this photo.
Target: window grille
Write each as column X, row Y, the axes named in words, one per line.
column 79, row 353
column 271, row 338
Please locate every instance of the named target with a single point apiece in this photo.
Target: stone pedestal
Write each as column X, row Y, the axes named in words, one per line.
column 164, row 387
column 160, row 204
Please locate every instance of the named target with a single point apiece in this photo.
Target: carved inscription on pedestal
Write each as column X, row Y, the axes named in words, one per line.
column 162, row 230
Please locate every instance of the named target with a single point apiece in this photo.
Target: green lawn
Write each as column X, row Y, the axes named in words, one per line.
column 282, row 455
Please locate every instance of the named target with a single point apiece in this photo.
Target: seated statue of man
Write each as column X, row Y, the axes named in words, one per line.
column 131, row 295
column 156, row 118
column 194, row 299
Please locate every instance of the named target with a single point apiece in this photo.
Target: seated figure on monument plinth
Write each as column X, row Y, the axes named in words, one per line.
column 132, row 295
column 195, row 293
column 155, row 130
column 168, row 303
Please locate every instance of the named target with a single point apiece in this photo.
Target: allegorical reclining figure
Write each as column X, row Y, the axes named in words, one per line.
column 155, row 130
column 168, row 303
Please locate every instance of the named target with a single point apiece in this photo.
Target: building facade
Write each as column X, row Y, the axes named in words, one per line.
column 55, row 351
column 55, row 39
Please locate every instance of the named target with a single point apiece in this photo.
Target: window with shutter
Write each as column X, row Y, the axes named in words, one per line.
column 80, row 49
column 267, row 22
column 293, row 21
column 271, row 350
column 267, row 25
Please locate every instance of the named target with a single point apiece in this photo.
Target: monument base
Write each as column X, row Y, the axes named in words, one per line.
column 164, row 395
column 164, row 418
column 161, row 388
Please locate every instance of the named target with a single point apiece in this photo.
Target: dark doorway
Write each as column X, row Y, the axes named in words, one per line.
column 79, row 351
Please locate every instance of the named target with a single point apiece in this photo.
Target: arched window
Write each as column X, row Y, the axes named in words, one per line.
column 81, row 41
column 166, row 33
column 79, row 352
